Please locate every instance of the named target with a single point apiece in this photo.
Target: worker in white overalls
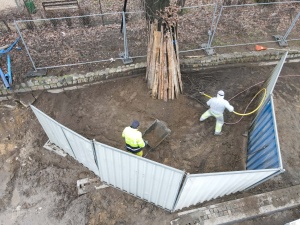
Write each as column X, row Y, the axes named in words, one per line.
column 217, row 106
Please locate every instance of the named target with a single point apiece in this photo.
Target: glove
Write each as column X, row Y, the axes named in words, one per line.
column 146, row 142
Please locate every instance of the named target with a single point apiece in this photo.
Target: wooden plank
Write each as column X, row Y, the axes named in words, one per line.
column 151, row 74
column 156, row 77
column 178, row 62
column 168, row 67
column 165, row 72
column 161, row 60
column 175, row 74
column 171, row 67
column 155, row 63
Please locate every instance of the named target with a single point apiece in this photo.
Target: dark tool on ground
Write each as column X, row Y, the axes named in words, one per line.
column 155, row 134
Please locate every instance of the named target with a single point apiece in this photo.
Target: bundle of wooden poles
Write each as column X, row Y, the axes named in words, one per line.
column 163, row 69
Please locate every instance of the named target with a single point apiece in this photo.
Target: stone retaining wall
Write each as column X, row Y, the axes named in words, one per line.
column 187, row 65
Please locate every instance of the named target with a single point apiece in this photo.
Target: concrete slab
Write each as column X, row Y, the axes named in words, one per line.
column 70, row 88
column 55, row 91
column 241, row 209
column 27, row 99
column 87, row 185
column 52, row 147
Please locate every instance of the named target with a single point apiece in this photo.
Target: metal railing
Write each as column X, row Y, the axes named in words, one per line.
column 96, row 38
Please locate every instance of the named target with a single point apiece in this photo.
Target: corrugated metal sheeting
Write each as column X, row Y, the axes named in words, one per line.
column 263, row 151
column 160, row 184
column 53, row 130
column 198, row 188
column 74, row 144
column 143, row 178
column 269, row 84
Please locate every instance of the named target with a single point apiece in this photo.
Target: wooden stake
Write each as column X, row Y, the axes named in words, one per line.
column 155, row 51
column 178, row 63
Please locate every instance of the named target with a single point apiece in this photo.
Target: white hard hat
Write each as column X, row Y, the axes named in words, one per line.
column 221, row 93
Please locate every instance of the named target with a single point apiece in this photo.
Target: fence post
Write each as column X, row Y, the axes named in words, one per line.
column 124, row 55
column 207, row 47
column 282, row 40
column 68, row 142
column 19, row 32
column 95, row 154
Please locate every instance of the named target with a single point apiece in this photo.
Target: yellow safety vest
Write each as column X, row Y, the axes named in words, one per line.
column 133, row 137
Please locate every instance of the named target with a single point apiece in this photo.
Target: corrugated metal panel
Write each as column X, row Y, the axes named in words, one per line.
column 143, row 178
column 276, row 134
column 53, row 131
column 271, row 81
column 74, row 144
column 83, row 149
column 263, row 146
column 198, row 188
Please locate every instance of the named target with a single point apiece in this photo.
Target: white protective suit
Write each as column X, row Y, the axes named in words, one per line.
column 217, row 106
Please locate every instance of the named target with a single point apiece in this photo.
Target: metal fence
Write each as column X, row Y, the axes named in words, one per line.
column 160, row 184
column 143, row 178
column 69, row 41
column 255, row 23
column 198, row 188
column 72, row 143
column 269, row 84
column 263, row 150
column 96, row 38
column 263, row 157
column 140, row 177
column 244, row 25
column 194, row 25
column 263, row 145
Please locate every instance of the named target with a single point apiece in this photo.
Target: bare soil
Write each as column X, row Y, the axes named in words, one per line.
column 39, row 187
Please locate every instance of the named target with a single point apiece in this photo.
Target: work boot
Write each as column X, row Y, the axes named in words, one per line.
column 218, row 133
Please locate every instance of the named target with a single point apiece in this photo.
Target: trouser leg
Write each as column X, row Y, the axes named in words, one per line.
column 219, row 123
column 205, row 115
column 140, row 153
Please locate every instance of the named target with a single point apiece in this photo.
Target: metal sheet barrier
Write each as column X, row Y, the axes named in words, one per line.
column 269, row 84
column 74, row 144
column 198, row 188
column 83, row 149
column 143, row 178
column 160, row 184
column 263, row 151
column 54, row 131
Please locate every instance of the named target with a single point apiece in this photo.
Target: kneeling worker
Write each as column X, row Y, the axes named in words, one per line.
column 133, row 139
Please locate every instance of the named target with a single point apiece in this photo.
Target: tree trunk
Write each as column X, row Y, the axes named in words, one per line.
column 152, row 6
